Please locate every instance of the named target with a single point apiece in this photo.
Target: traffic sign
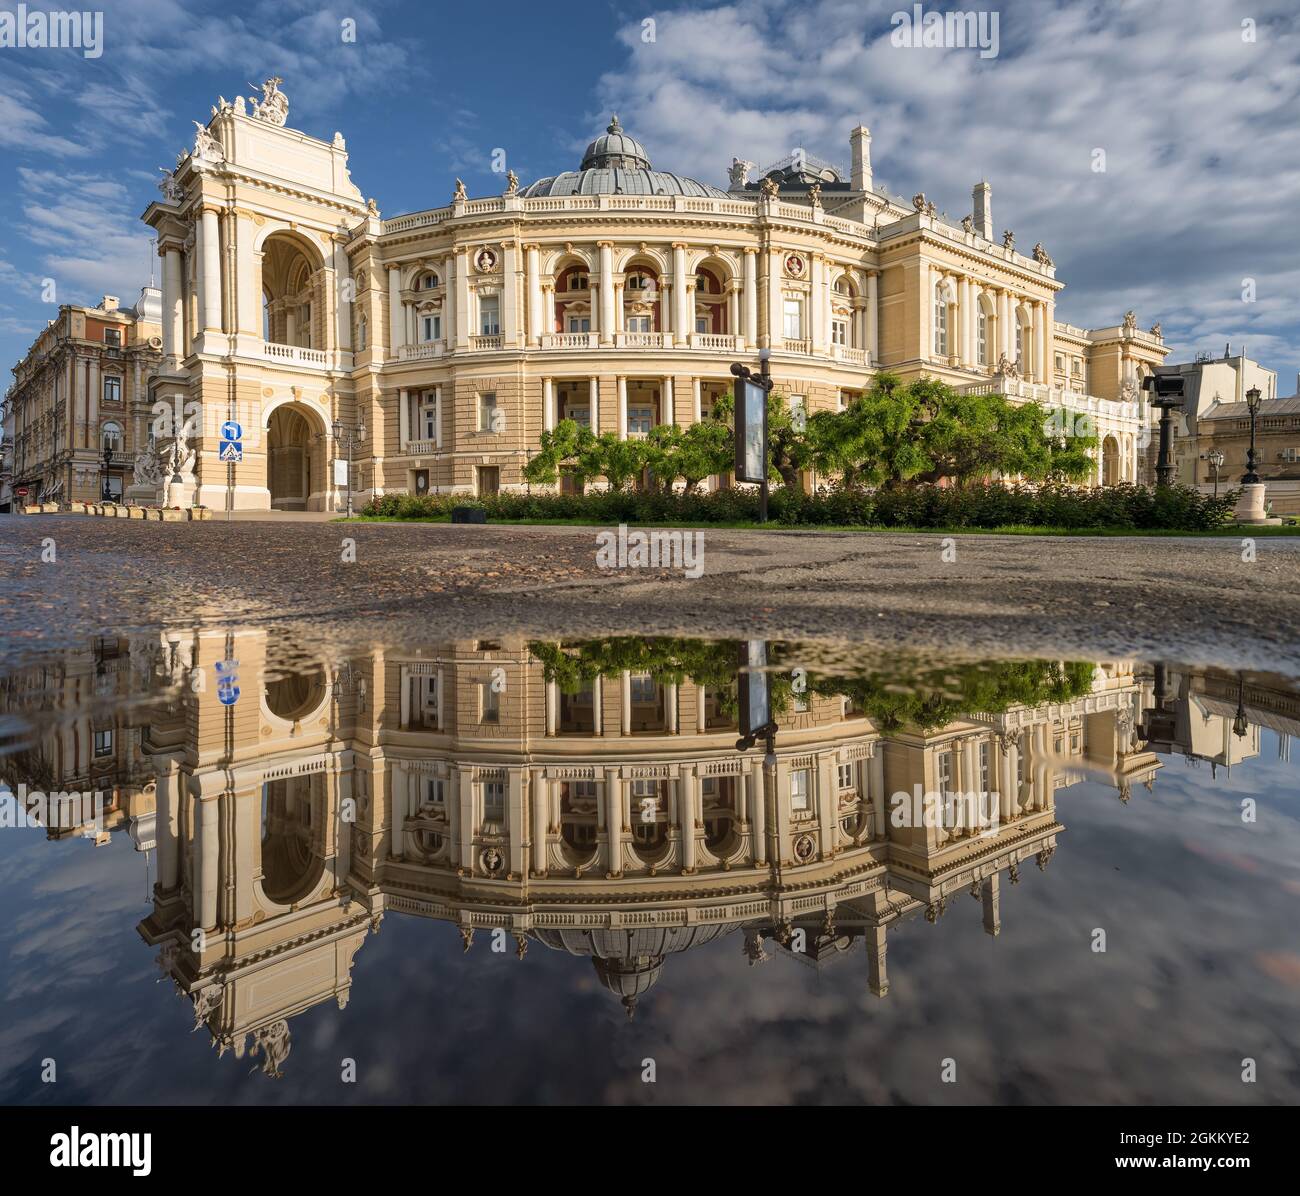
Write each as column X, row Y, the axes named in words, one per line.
column 21, row 492
column 230, row 430
column 227, row 682
column 231, row 450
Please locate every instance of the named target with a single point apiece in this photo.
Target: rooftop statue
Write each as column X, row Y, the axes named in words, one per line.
column 273, row 107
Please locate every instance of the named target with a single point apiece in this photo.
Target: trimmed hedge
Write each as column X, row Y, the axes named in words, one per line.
column 1126, row 506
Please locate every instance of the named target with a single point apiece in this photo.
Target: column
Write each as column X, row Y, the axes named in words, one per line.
column 625, row 702
column 873, row 315
column 774, row 302
column 172, row 299
column 759, row 816
column 670, row 702
column 686, row 808
column 208, row 854
column 620, row 321
column 925, row 280
column 990, row 895
column 696, row 400
column 1043, row 372
column 462, row 299
column 210, row 317
column 437, row 416
column 343, row 281
column 750, row 331
column 398, row 790
column 614, row 821
column 818, row 300
column 876, row 789
column 540, row 794
column 552, row 707
column 532, row 268
column 733, row 309
column 606, row 292
column 666, row 416
column 548, row 405
column 167, row 824
column 511, row 325
column 622, row 407
column 449, row 322
column 396, row 316
column 593, row 402
column 403, row 421
column 877, row 976
column 963, row 320
column 681, row 321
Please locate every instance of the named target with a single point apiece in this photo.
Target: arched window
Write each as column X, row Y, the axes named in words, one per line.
column 940, row 320
column 110, row 437
column 363, row 329
column 1020, row 345
column 638, row 280
column 427, row 281
column 983, row 332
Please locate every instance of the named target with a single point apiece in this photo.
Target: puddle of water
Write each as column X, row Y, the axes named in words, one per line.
column 516, row 871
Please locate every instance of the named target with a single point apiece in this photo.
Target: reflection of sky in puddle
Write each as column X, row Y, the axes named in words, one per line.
column 1201, row 971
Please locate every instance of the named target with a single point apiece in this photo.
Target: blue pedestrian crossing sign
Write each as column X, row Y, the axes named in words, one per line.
column 230, row 430
column 231, row 450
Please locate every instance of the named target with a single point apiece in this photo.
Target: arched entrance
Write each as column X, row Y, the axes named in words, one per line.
column 295, row 459
column 1110, row 461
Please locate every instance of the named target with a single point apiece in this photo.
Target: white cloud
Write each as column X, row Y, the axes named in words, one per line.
column 1203, row 154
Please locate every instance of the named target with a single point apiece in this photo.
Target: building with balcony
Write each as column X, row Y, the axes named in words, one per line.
column 616, row 294
column 78, row 413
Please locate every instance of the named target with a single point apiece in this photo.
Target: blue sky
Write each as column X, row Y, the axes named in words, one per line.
column 1200, row 193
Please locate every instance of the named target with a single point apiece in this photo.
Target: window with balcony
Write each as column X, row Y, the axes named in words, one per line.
column 488, row 419
column 792, row 326
column 494, row 801
column 577, row 281
column 839, row 332
column 800, row 789
column 701, row 323
column 423, row 702
column 846, row 777
column 430, row 328
column 644, row 690
column 110, row 437
column 1020, row 343
column 638, row 281
column 427, row 415
column 489, row 313
column 639, row 324
column 944, row 762
column 426, row 282
column 112, row 388
column 578, row 323
column 982, row 336
column 103, row 743
column 940, row 321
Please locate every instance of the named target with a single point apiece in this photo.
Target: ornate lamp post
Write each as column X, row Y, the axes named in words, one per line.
column 1166, row 392
column 1252, row 405
column 349, row 438
column 1216, row 459
column 108, row 461
column 1240, row 724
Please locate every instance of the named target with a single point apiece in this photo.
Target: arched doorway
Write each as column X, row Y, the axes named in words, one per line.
column 1110, row 461
column 289, row 444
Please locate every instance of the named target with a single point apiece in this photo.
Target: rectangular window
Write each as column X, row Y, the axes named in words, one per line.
column 579, row 323
column 984, row 766
column 983, row 338
column 490, row 701
column 644, row 689
column 1060, row 363
column 489, row 311
column 113, row 338
column 430, row 328
column 112, row 388
column 424, row 701
column 638, row 324
column 428, row 415
column 639, row 420
column 1020, row 343
column 940, row 326
column 580, row 416
column 489, row 479
column 846, row 777
column 494, row 801
column 578, row 282
column 488, row 420
column 435, row 792
column 793, row 327
column 799, row 789
column 944, row 760
column 839, row 332
column 103, row 743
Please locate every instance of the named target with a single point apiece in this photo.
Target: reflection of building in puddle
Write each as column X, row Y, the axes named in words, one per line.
column 608, row 816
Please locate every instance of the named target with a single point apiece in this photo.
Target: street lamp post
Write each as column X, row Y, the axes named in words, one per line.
column 1216, row 460
column 1252, row 405
column 108, row 461
column 349, row 438
column 1166, row 392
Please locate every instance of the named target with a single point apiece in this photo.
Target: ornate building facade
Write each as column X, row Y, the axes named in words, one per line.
column 615, row 294
column 82, row 392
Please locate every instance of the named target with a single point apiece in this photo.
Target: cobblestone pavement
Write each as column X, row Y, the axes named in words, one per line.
column 1190, row 600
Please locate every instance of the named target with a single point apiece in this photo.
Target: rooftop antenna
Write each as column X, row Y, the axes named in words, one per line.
column 152, row 258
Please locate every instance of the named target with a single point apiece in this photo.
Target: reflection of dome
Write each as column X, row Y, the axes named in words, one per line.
column 630, row 962
column 617, row 164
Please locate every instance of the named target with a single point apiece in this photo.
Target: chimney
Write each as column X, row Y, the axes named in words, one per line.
column 982, row 199
column 860, row 152
column 109, row 303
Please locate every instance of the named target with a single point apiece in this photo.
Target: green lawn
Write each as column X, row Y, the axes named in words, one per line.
column 1231, row 531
